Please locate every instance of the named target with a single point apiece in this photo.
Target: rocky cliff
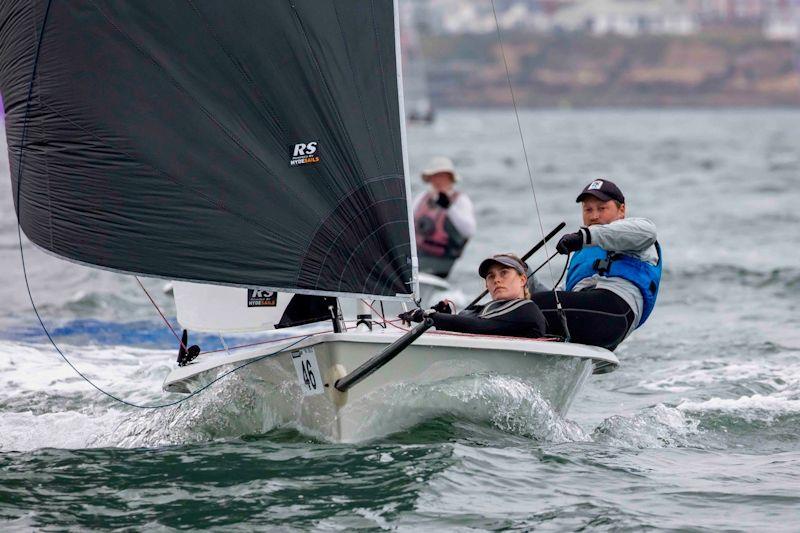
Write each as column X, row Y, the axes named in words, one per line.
column 583, row 71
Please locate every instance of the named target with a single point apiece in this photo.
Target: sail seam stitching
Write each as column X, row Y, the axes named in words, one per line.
column 373, row 232
column 218, row 205
column 383, row 78
column 44, row 139
column 323, row 81
column 380, row 274
column 355, row 218
column 358, row 91
column 233, row 61
column 347, row 226
column 324, row 222
column 208, row 114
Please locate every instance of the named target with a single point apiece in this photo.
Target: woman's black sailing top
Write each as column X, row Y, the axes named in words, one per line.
column 513, row 318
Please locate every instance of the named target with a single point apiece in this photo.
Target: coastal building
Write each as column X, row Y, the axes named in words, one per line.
column 628, row 17
column 777, row 19
column 600, row 17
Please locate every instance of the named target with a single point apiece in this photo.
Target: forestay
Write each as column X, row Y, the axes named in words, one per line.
column 254, row 144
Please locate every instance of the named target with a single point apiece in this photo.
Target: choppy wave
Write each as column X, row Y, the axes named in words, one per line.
column 764, row 376
column 766, row 408
column 657, row 427
column 730, row 404
column 783, row 279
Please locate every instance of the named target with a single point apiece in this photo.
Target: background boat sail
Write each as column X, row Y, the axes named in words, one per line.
column 249, row 145
column 416, row 94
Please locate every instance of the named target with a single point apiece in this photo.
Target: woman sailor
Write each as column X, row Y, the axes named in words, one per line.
column 511, row 312
column 443, row 218
column 613, row 275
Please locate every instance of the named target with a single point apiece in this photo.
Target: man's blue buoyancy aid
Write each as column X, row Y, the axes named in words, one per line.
column 594, row 260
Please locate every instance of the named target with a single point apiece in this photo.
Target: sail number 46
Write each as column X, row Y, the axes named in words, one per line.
column 308, row 375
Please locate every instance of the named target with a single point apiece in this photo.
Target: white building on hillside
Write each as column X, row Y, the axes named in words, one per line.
column 628, row 17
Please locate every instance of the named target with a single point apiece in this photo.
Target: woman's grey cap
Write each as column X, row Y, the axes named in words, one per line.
column 602, row 189
column 503, row 259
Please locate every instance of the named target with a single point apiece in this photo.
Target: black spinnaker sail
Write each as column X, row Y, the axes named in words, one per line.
column 251, row 143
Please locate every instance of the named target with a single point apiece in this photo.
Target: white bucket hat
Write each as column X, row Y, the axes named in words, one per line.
column 439, row 164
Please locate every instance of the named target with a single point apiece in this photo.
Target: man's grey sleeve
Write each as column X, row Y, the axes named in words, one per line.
column 629, row 235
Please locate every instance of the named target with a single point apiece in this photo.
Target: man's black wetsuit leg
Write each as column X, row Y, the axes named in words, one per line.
column 594, row 316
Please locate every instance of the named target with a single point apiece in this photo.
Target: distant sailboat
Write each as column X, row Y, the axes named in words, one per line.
column 416, row 94
column 248, row 150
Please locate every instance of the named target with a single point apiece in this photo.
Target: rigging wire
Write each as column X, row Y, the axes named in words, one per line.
column 152, row 301
column 27, row 282
column 528, row 166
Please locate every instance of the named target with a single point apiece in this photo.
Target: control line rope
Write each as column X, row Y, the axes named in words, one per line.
column 152, row 301
column 27, row 282
column 528, row 165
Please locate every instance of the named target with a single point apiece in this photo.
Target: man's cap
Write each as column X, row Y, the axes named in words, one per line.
column 509, row 260
column 439, row 164
column 602, row 189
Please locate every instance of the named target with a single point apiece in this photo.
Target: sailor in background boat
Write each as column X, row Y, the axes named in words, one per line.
column 443, row 217
column 613, row 275
column 511, row 311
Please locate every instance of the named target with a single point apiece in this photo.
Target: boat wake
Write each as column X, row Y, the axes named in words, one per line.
column 726, row 404
column 46, row 405
column 714, row 422
column 231, row 409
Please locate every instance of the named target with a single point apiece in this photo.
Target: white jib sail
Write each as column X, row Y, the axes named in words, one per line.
column 214, row 308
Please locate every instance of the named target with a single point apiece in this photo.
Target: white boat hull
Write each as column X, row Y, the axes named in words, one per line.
column 558, row 371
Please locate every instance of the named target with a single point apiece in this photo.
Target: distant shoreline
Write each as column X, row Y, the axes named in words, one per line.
column 611, row 109
column 731, row 70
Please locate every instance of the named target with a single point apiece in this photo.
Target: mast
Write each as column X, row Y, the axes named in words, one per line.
column 404, row 143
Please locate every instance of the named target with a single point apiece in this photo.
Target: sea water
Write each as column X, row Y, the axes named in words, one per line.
column 697, row 429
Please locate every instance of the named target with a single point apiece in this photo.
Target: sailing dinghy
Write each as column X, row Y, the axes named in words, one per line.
column 248, row 150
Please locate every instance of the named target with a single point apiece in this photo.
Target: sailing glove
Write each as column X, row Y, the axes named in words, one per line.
column 415, row 315
column 443, row 200
column 445, row 306
column 572, row 242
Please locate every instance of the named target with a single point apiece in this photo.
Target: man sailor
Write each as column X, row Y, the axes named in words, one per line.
column 510, row 313
column 443, row 218
column 614, row 272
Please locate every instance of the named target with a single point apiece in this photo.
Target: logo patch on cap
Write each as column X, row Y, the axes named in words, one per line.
column 595, row 185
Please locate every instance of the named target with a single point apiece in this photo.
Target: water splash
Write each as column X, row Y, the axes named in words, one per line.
column 511, row 405
column 658, row 427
